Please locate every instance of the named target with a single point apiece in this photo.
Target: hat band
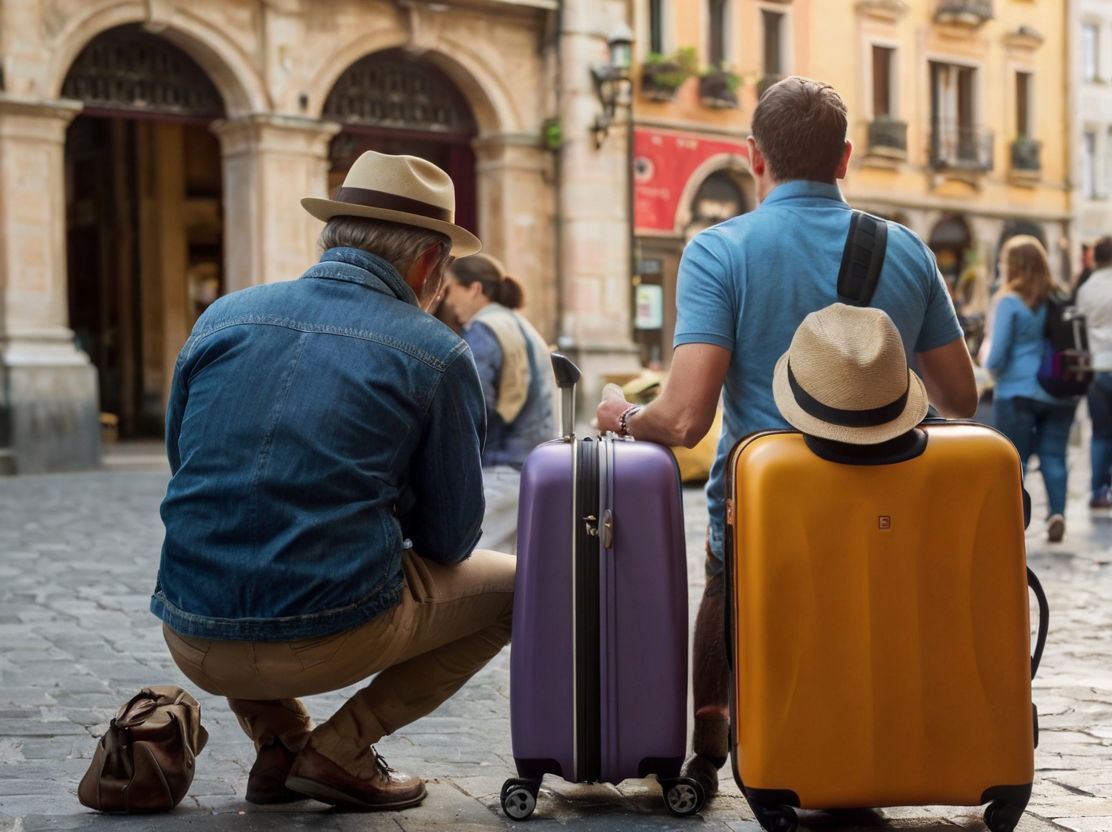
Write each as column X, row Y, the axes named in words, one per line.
column 869, row 418
column 392, row 202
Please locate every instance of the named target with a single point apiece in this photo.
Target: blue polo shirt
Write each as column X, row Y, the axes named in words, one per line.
column 746, row 284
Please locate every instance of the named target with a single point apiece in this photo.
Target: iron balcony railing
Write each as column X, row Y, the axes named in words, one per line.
column 974, row 12
column 888, row 136
column 961, row 146
column 1025, row 156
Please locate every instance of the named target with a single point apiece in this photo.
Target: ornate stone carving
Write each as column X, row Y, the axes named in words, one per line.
column 890, row 10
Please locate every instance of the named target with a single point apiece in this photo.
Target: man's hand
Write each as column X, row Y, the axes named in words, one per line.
column 612, row 406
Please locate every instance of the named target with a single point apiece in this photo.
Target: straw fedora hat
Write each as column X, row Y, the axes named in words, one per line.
column 403, row 189
column 845, row 377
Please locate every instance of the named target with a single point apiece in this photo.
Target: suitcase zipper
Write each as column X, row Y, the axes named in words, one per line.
column 585, row 613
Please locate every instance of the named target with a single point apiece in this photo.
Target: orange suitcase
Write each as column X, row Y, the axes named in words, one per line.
column 878, row 626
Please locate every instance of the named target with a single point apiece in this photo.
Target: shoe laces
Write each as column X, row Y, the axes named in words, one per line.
column 380, row 761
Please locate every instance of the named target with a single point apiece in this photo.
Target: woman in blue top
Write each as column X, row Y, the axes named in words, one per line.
column 1034, row 420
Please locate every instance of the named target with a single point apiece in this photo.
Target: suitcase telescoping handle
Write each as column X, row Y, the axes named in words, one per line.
column 567, row 374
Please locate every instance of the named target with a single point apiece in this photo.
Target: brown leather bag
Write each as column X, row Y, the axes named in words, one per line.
column 145, row 761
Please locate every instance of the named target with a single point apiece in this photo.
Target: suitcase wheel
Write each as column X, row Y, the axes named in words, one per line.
column 1002, row 817
column 519, row 797
column 782, row 819
column 684, row 795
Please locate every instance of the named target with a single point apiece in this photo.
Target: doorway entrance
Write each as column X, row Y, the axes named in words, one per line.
column 143, row 207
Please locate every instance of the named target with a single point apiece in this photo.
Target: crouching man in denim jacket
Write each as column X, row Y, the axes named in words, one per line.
column 324, row 436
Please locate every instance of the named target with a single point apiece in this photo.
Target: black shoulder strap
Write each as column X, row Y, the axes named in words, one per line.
column 862, row 259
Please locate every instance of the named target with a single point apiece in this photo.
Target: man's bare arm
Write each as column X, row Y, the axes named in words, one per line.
column 684, row 411
column 947, row 372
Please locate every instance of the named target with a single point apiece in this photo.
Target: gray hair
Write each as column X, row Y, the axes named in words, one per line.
column 396, row 243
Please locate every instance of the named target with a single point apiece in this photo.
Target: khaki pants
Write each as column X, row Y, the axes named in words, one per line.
column 448, row 623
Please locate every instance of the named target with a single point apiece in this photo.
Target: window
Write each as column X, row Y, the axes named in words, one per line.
column 1023, row 105
column 656, row 27
column 716, row 32
column 1107, row 164
column 957, row 139
column 773, row 43
column 883, row 77
column 1090, row 51
column 1089, row 164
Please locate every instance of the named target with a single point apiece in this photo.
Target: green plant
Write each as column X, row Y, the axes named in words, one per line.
column 670, row 71
column 553, row 133
column 723, row 75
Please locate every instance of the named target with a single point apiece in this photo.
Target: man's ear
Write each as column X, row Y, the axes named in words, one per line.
column 843, row 165
column 757, row 162
column 423, row 268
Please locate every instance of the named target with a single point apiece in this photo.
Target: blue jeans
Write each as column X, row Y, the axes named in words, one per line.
column 1043, row 429
column 1100, row 410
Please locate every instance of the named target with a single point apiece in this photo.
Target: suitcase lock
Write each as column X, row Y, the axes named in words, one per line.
column 592, row 524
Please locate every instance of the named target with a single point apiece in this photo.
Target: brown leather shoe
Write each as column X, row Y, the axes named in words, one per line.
column 315, row 775
column 266, row 782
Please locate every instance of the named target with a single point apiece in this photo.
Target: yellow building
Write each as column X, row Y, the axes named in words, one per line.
column 957, row 115
column 700, row 67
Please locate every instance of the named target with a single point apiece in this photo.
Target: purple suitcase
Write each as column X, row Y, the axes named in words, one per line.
column 598, row 666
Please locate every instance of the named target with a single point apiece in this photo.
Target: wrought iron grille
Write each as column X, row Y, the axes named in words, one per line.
column 1025, row 155
column 961, row 146
column 391, row 89
column 127, row 68
column 888, row 134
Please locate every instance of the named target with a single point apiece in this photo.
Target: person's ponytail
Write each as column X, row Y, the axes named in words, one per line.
column 510, row 293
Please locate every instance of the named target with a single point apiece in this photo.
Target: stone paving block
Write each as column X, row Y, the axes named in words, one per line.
column 1101, row 824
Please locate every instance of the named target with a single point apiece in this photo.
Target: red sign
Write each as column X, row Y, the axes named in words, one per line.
column 663, row 164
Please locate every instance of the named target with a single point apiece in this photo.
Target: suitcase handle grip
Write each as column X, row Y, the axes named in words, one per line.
column 567, row 374
column 1044, row 620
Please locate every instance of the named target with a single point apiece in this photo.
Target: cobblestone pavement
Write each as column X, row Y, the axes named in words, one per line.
column 78, row 554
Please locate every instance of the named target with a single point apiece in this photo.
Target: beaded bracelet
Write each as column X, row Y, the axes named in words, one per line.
column 624, row 417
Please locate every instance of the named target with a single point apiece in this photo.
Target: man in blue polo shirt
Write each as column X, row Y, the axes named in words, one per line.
column 744, row 287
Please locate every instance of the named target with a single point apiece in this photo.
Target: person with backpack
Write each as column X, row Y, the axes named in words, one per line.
column 1094, row 301
column 1036, row 421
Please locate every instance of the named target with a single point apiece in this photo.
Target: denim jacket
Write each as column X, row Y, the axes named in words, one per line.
column 314, row 428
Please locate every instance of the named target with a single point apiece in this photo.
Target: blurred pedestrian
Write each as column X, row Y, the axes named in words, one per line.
column 744, row 287
column 1035, row 421
column 324, row 437
column 1088, row 262
column 1094, row 301
column 516, row 375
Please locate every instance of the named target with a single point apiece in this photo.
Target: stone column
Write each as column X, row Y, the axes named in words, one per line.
column 514, row 174
column 270, row 163
column 48, row 388
column 594, row 236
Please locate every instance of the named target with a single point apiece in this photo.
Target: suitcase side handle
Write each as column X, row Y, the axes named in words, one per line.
column 1044, row 620
column 567, row 374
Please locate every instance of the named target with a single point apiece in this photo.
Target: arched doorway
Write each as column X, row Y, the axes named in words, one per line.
column 393, row 102
column 143, row 208
column 951, row 241
column 723, row 193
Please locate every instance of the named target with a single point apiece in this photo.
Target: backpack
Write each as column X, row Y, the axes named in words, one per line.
column 1066, row 368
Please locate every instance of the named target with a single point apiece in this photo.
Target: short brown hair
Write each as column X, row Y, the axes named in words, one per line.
column 1102, row 252
column 395, row 242
column 800, row 128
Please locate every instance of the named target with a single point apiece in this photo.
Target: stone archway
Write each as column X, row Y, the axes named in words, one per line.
column 144, row 226
column 393, row 102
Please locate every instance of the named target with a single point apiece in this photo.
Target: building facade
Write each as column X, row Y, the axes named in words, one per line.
column 959, row 116
column 152, row 155
column 1091, row 131
column 958, row 112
